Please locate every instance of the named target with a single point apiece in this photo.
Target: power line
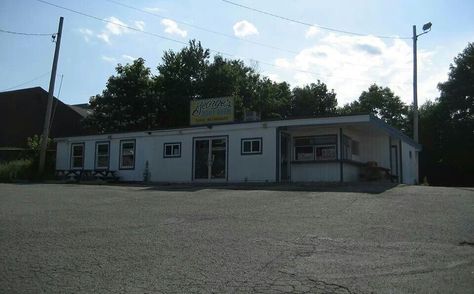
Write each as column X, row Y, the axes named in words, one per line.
column 310, row 25
column 24, row 83
column 201, row 28
column 111, row 22
column 220, row 33
column 24, row 34
column 219, row 52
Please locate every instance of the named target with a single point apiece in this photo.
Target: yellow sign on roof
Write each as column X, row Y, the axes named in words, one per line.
column 213, row 110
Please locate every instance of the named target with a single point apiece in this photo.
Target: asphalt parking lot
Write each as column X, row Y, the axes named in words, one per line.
column 57, row 238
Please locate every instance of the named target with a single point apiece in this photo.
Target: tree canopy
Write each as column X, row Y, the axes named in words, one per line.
column 128, row 101
column 383, row 103
column 447, row 126
column 313, row 99
column 135, row 99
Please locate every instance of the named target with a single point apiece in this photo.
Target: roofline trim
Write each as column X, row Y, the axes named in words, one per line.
column 210, row 126
column 394, row 131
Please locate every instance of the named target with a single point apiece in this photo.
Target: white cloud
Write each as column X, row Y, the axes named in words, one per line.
column 140, row 24
column 108, row 59
column 171, row 27
column 273, row 76
column 128, row 57
column 104, row 37
column 244, row 28
column 115, row 26
column 311, row 32
column 282, row 62
column 350, row 64
column 86, row 34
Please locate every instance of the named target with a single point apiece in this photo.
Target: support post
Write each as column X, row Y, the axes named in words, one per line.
column 341, row 160
column 49, row 106
column 415, row 85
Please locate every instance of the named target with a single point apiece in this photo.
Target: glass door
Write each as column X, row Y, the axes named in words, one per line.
column 201, row 159
column 210, row 158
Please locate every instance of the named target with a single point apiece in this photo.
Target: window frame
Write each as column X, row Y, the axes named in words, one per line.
column 71, row 157
column 314, row 147
column 251, row 140
column 172, row 144
column 96, row 156
column 355, row 147
column 134, row 141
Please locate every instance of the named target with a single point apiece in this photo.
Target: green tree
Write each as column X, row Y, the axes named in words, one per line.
column 457, row 93
column 447, row 125
column 272, row 99
column 312, row 100
column 383, row 103
column 128, row 102
column 232, row 78
column 181, row 78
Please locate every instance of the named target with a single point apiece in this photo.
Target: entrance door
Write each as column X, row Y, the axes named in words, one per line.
column 394, row 157
column 210, row 158
column 285, row 157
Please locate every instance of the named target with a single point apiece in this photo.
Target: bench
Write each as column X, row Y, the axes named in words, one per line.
column 371, row 172
column 86, row 174
column 105, row 175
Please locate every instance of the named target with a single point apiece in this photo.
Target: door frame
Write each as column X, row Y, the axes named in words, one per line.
column 210, row 138
column 289, row 148
column 395, row 161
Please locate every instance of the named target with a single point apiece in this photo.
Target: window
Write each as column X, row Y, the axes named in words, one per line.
column 346, row 147
column 102, row 155
column 315, row 148
column 77, row 155
column 127, row 154
column 409, row 153
column 251, row 146
column 355, row 147
column 172, row 150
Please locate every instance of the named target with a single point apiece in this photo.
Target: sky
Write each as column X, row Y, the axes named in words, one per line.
column 279, row 49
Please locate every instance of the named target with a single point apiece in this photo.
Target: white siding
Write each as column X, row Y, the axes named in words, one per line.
column 315, row 172
column 351, row 172
column 62, row 155
column 241, row 168
column 375, row 147
column 258, row 167
column 410, row 169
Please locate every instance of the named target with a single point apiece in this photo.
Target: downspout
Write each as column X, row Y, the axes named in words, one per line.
column 390, row 157
column 401, row 161
column 277, row 160
column 341, row 163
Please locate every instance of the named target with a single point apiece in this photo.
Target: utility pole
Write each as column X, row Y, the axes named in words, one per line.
column 415, row 90
column 49, row 106
column 426, row 29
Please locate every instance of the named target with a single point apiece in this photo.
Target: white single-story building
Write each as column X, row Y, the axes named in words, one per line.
column 324, row 149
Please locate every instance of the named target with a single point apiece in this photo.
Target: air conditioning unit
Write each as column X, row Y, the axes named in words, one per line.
column 251, row 115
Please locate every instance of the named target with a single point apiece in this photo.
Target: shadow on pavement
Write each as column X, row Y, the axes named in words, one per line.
column 364, row 187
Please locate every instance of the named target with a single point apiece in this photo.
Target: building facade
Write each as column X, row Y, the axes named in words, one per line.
column 326, row 149
column 22, row 115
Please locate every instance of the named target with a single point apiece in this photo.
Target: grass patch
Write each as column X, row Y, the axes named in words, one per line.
column 16, row 170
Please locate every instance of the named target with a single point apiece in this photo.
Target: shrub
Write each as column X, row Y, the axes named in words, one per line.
column 22, row 169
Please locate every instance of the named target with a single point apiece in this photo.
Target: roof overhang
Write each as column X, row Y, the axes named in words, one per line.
column 394, row 132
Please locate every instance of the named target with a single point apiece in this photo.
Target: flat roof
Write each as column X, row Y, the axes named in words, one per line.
column 277, row 123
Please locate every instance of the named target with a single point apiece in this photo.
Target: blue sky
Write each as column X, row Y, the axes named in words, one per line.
column 90, row 49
